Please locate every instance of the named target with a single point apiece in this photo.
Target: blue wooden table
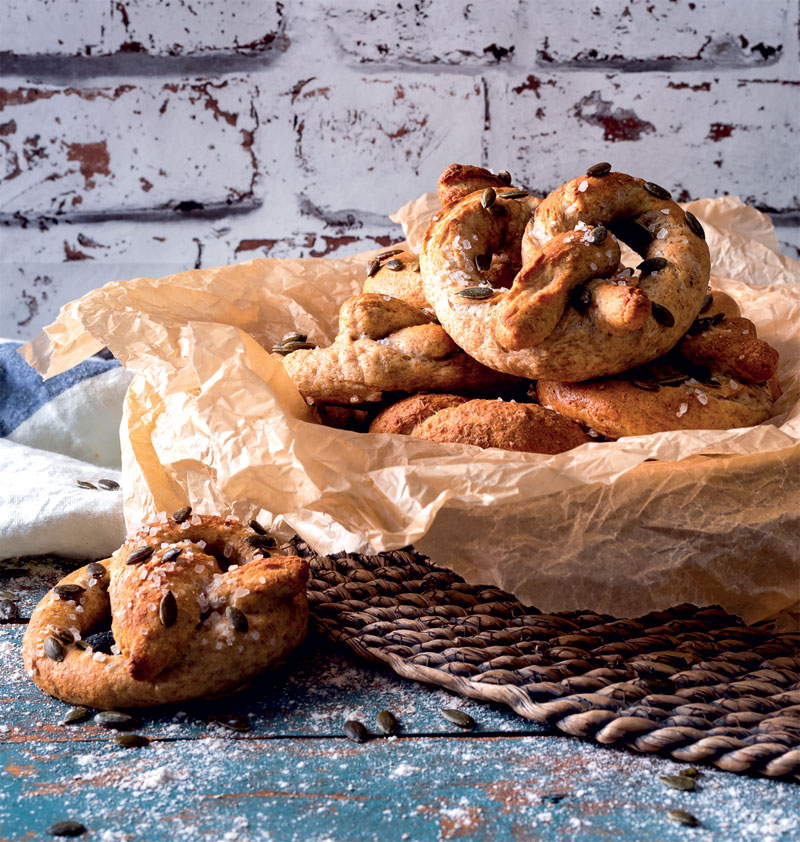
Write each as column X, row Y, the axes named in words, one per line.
column 295, row 775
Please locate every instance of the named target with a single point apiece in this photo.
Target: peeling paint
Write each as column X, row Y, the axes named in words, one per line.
column 93, row 159
column 620, row 124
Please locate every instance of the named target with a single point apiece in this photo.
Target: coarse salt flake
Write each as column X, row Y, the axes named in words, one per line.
column 198, row 568
column 682, row 410
column 662, row 233
column 582, row 186
column 734, row 385
column 593, row 267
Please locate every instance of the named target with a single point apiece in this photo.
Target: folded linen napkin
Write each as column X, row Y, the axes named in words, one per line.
column 54, row 434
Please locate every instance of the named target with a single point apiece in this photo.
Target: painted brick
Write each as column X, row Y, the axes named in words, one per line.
column 371, row 143
column 127, row 148
column 426, row 32
column 698, row 135
column 95, row 28
column 680, row 33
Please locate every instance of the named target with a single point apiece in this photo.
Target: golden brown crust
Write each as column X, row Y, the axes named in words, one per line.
column 404, row 284
column 459, row 180
column 403, row 416
column 494, row 423
column 386, row 345
column 195, row 644
column 550, row 336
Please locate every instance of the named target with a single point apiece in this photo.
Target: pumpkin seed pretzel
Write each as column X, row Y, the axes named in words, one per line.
column 197, row 604
column 536, row 289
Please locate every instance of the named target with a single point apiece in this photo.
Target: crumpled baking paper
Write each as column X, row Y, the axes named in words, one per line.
column 212, row 420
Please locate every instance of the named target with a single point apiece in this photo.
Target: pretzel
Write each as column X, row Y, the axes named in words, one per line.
column 485, row 423
column 197, row 606
column 560, row 306
column 386, row 345
column 396, row 273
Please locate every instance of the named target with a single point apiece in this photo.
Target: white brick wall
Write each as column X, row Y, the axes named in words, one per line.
column 143, row 137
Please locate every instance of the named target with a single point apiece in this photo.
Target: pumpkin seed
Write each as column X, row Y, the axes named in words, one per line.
column 488, row 197
column 652, row 265
column 707, row 302
column 64, row 635
column 386, row 722
column 391, row 253
column 292, row 336
column 676, row 380
column 600, row 169
column 682, row 817
column 115, row 720
column 168, row 609
column 598, row 235
column 67, row 592
column 355, row 731
column 496, row 210
column 82, row 644
column 96, row 570
column 108, row 484
column 647, row 385
column 14, row 597
column 689, row 772
column 483, row 261
column 140, row 555
column 372, row 267
column 662, row 315
column 414, row 267
column 65, row 828
column 8, row 609
column 53, row 649
column 83, row 484
column 181, row 515
column 694, row 225
column 236, row 618
column 261, row 542
column 394, row 265
column 515, row 194
column 476, row 293
column 580, row 298
column 288, row 347
column 233, row 722
column 458, row 717
column 657, row 191
column 75, row 715
column 504, row 175
column 683, row 782
column 257, row 527
column 132, row 740
column 171, row 554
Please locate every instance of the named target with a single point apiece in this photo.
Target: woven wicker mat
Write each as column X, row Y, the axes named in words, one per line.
column 692, row 683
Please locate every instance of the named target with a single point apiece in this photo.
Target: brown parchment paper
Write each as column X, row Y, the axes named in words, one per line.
column 213, row 420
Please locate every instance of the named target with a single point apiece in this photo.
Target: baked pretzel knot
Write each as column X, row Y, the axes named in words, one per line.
column 196, row 608
column 538, row 291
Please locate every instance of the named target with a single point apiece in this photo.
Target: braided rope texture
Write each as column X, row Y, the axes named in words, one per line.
column 692, row 683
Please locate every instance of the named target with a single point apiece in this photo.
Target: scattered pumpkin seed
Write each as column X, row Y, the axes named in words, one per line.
column 676, row 380
column 652, row 265
column 580, row 298
column 233, row 722
column 14, row 597
column 83, row 484
column 662, row 315
column 476, row 293
column 8, row 609
column 68, row 592
column 707, row 302
column 483, row 261
column 64, row 635
column 75, row 715
column 168, row 609
column 288, row 347
column 171, row 554
column 600, row 169
column 132, row 740
column 414, row 267
column 386, row 722
column 108, row 484
column 647, row 385
column 236, row 618
column 53, row 649
column 504, row 175
column 65, row 828
column 140, row 555
column 598, row 235
column 96, row 570
column 689, row 772
column 356, row 731
column 261, row 542
column 682, row 817
column 391, row 253
column 83, row 644
column 115, row 720
column 181, row 515
column 488, row 197
column 683, row 782
column 657, row 191
column 496, row 210
column 257, row 527
column 694, row 225
column 458, row 717
column 394, row 265
column 515, row 194
column 372, row 267
column 293, row 336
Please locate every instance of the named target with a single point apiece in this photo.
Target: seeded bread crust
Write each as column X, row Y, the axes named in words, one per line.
column 404, row 283
column 204, row 650
column 402, row 417
column 386, row 345
column 534, row 329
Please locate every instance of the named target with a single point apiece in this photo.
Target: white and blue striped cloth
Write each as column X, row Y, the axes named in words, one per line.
column 54, row 433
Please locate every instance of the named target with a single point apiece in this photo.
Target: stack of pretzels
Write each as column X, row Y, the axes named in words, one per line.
column 519, row 326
